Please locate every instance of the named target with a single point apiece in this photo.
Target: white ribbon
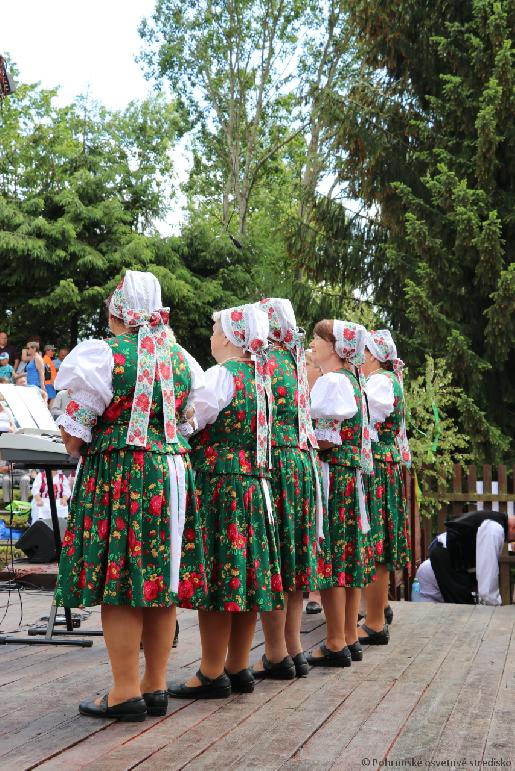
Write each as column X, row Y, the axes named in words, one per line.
column 177, row 474
column 325, row 481
column 268, row 501
column 365, row 524
column 319, row 501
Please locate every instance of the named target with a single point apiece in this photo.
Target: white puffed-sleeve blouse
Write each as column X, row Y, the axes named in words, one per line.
column 87, row 374
column 332, row 402
column 380, row 397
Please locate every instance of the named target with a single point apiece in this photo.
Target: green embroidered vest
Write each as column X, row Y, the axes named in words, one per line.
column 229, row 445
column 283, row 374
column 110, row 431
column 348, row 453
column 386, row 448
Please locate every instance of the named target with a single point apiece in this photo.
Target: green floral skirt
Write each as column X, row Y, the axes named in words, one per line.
column 294, row 493
column 388, row 515
column 117, row 548
column 241, row 547
column 348, row 557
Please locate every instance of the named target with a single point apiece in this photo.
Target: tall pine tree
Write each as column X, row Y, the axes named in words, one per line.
column 426, row 141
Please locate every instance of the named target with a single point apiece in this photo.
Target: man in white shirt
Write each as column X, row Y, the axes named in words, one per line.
column 464, row 560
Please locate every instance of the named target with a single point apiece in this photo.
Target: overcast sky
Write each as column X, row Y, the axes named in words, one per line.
column 78, row 46
column 84, row 47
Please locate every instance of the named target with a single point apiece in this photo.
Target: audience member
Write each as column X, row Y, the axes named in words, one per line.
column 11, row 350
column 6, row 369
column 61, row 356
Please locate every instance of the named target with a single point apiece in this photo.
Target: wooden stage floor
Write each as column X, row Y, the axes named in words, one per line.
column 442, row 694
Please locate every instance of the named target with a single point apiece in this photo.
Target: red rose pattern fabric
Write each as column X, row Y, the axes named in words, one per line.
column 116, row 549
column 386, row 496
column 293, row 479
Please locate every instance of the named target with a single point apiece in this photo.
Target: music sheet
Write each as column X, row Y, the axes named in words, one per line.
column 28, row 408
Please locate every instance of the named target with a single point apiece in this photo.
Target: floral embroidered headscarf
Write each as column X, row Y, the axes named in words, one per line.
column 284, row 329
column 137, row 302
column 247, row 327
column 381, row 345
column 350, row 346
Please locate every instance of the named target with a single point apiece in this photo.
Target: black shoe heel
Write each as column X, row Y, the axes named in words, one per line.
column 157, row 703
column 388, row 614
column 242, row 681
column 356, row 651
column 301, row 665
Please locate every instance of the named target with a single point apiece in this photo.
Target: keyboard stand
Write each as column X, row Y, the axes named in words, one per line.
column 42, row 635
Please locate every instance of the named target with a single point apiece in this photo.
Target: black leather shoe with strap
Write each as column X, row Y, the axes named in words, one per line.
column 301, row 664
column 356, row 651
column 373, row 637
column 157, row 702
column 130, row 711
column 242, row 681
column 281, row 670
column 216, row 688
column 329, row 658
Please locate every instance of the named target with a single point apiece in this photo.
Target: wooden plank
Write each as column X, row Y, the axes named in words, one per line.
column 499, row 742
column 415, row 528
column 476, row 497
column 471, row 481
column 283, row 726
column 487, row 487
column 505, row 564
column 376, row 736
column 502, row 480
column 467, row 729
column 422, row 731
column 457, row 488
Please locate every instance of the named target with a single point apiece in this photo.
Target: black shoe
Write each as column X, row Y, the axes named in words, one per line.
column 217, row 688
column 157, row 703
column 356, row 651
column 330, row 658
column 375, row 638
column 313, row 607
column 282, row 670
column 361, row 616
column 176, row 635
column 301, row 664
column 388, row 614
column 130, row 711
column 242, row 681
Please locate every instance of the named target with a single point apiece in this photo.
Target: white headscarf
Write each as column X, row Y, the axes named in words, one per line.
column 350, row 346
column 247, row 327
column 137, row 302
column 381, row 345
column 284, row 329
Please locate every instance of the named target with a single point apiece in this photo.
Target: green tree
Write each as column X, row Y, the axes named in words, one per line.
column 425, row 141
column 79, row 190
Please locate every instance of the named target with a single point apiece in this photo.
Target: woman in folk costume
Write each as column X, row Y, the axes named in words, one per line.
column 341, row 427
column 40, row 507
column 134, row 490
column 296, row 491
column 386, row 494
column 238, row 525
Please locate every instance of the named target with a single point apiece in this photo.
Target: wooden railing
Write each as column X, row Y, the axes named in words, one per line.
column 497, row 485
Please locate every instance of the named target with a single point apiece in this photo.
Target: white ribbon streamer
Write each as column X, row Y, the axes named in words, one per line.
column 365, row 524
column 177, row 474
column 319, row 501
